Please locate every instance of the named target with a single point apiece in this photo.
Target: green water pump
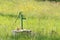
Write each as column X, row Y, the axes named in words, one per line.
column 21, row 19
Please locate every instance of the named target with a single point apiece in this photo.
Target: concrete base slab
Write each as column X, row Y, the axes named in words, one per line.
column 15, row 32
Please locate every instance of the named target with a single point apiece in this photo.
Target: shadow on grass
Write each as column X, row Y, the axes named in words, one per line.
column 10, row 15
column 36, row 36
column 21, row 36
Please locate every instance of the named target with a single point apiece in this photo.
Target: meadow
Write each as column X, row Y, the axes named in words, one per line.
column 42, row 18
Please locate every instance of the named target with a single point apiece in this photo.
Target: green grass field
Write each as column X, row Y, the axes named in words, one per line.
column 43, row 18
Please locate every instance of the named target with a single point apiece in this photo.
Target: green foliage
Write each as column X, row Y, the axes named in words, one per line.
column 55, row 0
column 49, row 0
column 39, row 0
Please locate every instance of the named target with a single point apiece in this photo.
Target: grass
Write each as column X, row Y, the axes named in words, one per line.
column 43, row 18
column 42, row 27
